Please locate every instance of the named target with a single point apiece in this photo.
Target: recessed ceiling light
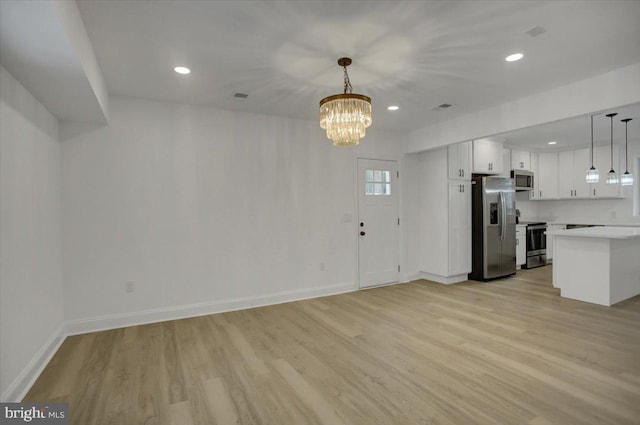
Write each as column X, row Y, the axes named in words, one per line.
column 514, row 57
column 552, row 143
column 182, row 70
column 393, row 108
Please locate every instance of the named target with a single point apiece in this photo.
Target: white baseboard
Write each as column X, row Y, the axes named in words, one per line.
column 447, row 280
column 27, row 376
column 410, row 277
column 93, row 324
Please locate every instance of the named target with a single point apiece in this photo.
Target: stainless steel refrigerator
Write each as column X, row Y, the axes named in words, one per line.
column 493, row 228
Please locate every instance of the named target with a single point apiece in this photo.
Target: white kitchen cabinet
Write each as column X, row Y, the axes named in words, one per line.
column 533, row 194
column 520, row 160
column 506, row 163
column 459, row 160
column 572, row 168
column 602, row 161
column 521, row 245
column 459, row 227
column 547, row 176
column 487, row 157
column 551, row 227
column 445, row 220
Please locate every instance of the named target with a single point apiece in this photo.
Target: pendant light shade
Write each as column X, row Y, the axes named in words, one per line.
column 612, row 177
column 627, row 177
column 345, row 116
column 592, row 173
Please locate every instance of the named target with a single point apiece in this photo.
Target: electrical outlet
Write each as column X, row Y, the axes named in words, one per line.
column 129, row 286
column 321, row 267
column 613, row 214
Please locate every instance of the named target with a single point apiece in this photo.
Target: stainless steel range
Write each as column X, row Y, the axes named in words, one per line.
column 536, row 244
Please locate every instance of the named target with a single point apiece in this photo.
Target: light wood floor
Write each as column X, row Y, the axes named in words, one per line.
column 506, row 352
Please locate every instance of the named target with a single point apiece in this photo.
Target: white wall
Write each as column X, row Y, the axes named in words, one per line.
column 204, row 210
column 31, row 301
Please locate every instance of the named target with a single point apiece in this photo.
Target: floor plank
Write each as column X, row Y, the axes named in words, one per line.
column 510, row 351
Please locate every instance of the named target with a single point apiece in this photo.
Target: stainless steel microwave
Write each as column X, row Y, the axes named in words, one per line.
column 523, row 179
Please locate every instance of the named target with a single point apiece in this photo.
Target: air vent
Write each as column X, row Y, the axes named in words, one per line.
column 535, row 31
column 240, row 96
column 442, row 107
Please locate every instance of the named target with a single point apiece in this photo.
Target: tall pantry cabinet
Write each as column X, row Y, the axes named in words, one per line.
column 445, row 213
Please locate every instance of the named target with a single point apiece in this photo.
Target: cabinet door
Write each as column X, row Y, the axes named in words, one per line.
column 520, row 160
column 459, row 227
column 547, row 175
column 602, row 161
column 581, row 163
column 550, row 239
column 565, row 175
column 487, row 157
column 464, row 159
column 459, row 161
column 505, row 169
column 521, row 247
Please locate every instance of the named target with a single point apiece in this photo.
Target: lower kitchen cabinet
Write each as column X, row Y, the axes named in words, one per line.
column 521, row 245
column 551, row 227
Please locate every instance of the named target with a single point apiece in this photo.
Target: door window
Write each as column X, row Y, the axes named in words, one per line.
column 377, row 182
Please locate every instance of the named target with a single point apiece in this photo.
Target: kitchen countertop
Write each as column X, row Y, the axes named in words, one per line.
column 616, row 223
column 605, row 232
column 598, row 223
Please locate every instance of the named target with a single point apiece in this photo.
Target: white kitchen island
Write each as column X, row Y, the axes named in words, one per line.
column 600, row 265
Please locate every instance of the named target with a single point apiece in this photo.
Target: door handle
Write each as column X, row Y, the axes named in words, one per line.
column 503, row 213
column 362, row 233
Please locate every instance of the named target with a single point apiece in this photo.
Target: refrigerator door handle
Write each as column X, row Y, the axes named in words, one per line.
column 503, row 217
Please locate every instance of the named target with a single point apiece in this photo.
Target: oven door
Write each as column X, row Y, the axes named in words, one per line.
column 536, row 240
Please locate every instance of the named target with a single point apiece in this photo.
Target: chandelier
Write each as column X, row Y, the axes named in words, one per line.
column 345, row 116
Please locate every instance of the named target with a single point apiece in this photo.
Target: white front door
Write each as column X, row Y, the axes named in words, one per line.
column 378, row 222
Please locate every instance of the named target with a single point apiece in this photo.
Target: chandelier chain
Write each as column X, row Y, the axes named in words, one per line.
column 347, row 82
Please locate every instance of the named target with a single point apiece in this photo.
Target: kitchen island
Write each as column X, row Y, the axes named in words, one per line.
column 600, row 265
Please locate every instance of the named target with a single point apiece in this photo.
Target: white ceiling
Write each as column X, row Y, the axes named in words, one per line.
column 415, row 54
column 37, row 50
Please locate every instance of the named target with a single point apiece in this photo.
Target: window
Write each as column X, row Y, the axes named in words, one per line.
column 377, row 182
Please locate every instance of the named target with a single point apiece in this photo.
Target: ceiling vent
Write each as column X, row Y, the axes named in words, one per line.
column 442, row 107
column 535, row 31
column 241, row 96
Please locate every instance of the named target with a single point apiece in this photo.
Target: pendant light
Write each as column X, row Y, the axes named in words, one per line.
column 592, row 173
column 345, row 116
column 627, row 177
column 612, row 177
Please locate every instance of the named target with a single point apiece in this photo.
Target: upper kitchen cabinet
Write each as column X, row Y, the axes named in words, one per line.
column 602, row 161
column 487, row 157
column 520, row 160
column 547, row 176
column 572, row 166
column 459, row 161
column 506, row 163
